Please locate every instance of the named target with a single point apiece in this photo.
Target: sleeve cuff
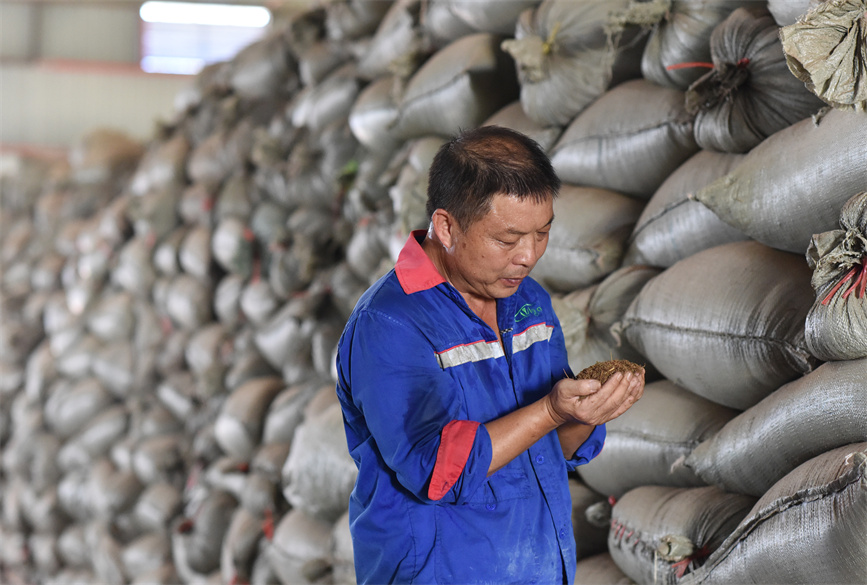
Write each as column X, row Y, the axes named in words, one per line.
column 456, row 443
column 589, row 449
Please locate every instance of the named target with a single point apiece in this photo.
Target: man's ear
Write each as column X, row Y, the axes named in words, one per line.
column 444, row 226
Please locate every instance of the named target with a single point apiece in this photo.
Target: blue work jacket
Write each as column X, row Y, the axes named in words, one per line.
column 418, row 376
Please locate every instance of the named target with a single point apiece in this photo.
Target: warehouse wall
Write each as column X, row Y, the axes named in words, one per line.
column 66, row 68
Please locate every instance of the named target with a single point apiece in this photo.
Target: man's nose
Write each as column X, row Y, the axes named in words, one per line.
column 527, row 253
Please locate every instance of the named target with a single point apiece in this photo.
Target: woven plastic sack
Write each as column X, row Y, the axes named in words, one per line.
column 440, row 23
column 761, row 445
column 513, row 116
column 320, row 59
column 112, row 490
column 590, row 539
column 188, row 301
column 157, row 505
column 161, row 458
column 238, row 428
column 103, row 155
column 787, row 12
column 726, row 323
column 599, row 570
column 265, row 68
column 301, row 546
column 317, row 106
column 163, row 164
column 777, row 197
column 198, row 538
column 95, row 439
column 232, row 246
column 827, row 50
column 629, row 140
column 659, row 533
column 461, row 85
column 134, row 269
column 750, row 93
column 351, row 19
column 808, row 528
column 836, row 327
column 672, row 225
column 155, row 214
column 645, row 442
column 240, row 546
column 397, row 46
column 566, row 58
column 678, row 45
column 342, row 556
column 72, row 404
column 319, row 474
column 586, row 241
column 374, row 114
column 586, row 317
column 495, row 16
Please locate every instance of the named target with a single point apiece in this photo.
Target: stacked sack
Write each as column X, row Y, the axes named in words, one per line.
column 170, row 310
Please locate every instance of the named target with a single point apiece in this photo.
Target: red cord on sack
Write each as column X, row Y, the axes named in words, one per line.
column 689, row 64
column 740, row 64
column 858, row 286
column 682, row 565
column 268, row 524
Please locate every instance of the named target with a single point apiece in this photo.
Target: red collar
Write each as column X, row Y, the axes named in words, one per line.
column 415, row 271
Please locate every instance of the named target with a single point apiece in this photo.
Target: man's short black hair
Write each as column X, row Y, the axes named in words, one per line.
column 469, row 170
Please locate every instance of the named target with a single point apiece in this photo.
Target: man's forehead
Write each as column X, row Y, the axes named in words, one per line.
column 519, row 215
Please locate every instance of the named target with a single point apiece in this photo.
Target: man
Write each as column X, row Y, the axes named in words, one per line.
column 458, row 405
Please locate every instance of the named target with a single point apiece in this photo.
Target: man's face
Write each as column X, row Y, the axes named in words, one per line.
column 491, row 258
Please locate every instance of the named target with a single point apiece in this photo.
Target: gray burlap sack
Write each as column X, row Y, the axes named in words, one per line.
column 461, row 85
column 374, row 114
column 726, row 323
column 820, row 411
column 645, row 442
column 398, row 46
column 827, row 50
column 566, row 59
column 586, row 317
column 354, row 18
column 513, row 116
column 600, row 570
column 673, row 226
column 629, row 140
column 319, row 474
column 677, row 50
column 808, row 528
column 778, row 196
column 750, row 93
column 587, row 240
column 441, row 23
column 836, row 327
column 787, row 12
column 590, row 539
column 659, row 533
column 238, row 428
column 494, row 16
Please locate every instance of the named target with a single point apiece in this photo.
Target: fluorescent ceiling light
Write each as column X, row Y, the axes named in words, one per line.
column 209, row 14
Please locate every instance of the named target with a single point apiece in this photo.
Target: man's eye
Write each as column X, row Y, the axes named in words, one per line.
column 508, row 242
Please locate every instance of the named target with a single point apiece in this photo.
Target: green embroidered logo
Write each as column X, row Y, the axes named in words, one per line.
column 527, row 311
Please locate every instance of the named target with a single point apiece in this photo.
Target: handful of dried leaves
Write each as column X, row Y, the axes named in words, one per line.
column 603, row 370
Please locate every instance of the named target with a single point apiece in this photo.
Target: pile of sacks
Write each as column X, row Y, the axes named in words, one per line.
column 170, row 310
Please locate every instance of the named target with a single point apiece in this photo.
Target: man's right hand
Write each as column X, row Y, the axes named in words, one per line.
column 590, row 403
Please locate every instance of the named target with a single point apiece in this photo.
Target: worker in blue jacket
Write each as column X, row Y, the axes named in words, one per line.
column 459, row 407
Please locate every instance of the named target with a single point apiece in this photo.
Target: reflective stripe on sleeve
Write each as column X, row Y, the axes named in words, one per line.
column 470, row 352
column 530, row 335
